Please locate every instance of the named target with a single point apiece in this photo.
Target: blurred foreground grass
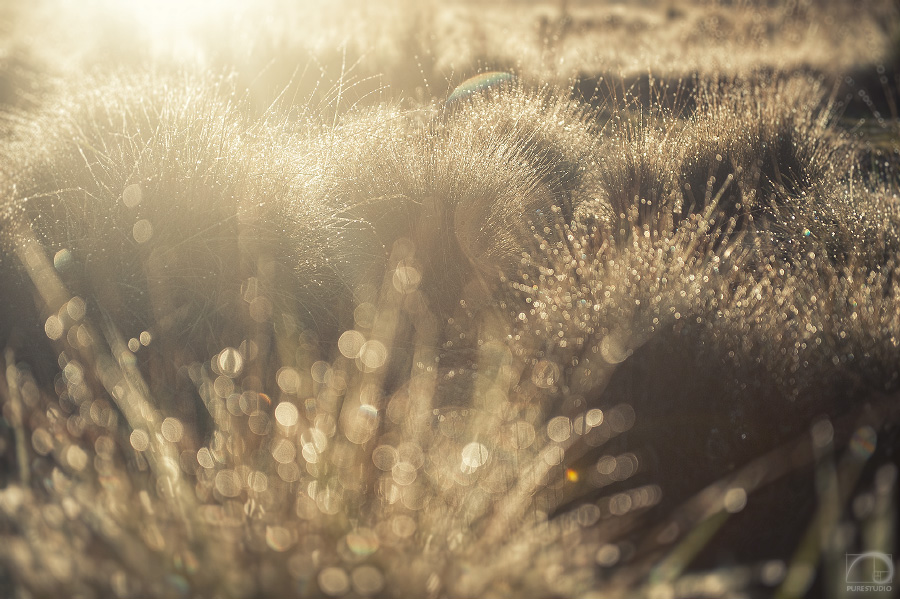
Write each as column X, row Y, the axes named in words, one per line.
column 280, row 322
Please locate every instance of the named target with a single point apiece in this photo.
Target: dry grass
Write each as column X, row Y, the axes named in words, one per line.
column 281, row 332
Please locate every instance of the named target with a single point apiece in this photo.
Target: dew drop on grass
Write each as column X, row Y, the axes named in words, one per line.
column 367, row 580
column 403, row 526
column 319, row 371
column 735, row 500
column 288, row 472
column 142, row 231
column 258, row 481
column 553, row 455
column 259, row 423
column 76, row 457
column 594, row 417
column 862, row 444
column 75, row 308
column 284, row 451
column 205, row 459
column 474, row 456
column 606, row 465
column 404, row 473
column 62, row 260
column 406, row 278
column 139, row 440
column 53, row 327
column 545, row 374
column 772, row 572
column 279, row 538
column 172, row 430
column 350, row 343
column 42, row 441
column 559, row 429
column 286, row 414
column 373, row 354
column 608, row 555
column 334, row 581
column 613, row 350
column 288, row 380
column 230, row 362
column 363, row 542
column 132, row 195
column 384, row 457
column 228, row 483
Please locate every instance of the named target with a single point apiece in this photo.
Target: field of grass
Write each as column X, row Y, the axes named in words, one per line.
column 449, row 300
